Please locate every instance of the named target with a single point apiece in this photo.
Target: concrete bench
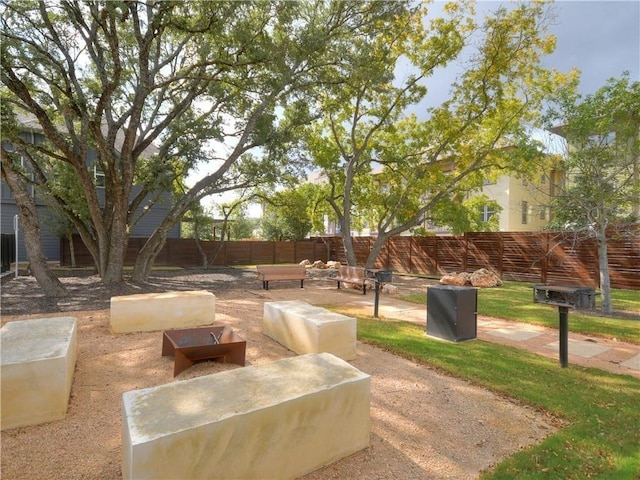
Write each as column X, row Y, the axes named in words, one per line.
column 162, row 311
column 305, row 328
column 353, row 275
column 38, row 359
column 280, row 419
column 269, row 273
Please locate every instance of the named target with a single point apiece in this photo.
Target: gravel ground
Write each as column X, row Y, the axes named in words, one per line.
column 424, row 425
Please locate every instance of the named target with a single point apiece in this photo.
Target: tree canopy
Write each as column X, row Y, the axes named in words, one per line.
column 601, row 188
column 155, row 88
column 403, row 170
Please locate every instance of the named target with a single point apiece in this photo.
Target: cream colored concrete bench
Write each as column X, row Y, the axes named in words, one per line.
column 38, row 359
column 161, row 311
column 275, row 420
column 305, row 328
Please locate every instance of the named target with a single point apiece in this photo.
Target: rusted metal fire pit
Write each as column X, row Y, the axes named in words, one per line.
column 192, row 345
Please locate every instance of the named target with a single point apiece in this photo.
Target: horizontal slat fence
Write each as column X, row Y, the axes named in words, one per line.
column 535, row 257
column 183, row 252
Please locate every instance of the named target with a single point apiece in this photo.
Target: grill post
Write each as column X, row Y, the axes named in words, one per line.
column 564, row 297
column 564, row 335
column 380, row 276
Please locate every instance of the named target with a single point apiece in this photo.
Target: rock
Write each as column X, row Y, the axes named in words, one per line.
column 389, row 289
column 483, row 278
column 453, row 279
column 466, row 276
column 306, row 262
column 333, row 264
column 318, row 264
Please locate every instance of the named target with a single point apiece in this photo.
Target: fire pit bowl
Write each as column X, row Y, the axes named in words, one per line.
column 191, row 345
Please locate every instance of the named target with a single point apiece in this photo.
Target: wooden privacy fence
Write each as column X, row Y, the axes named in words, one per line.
column 183, row 252
column 537, row 257
column 534, row 257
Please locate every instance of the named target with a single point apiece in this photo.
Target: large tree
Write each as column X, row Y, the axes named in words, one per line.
column 393, row 170
column 154, row 88
column 601, row 188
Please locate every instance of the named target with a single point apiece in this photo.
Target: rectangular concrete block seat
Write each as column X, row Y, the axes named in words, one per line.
column 305, row 328
column 150, row 312
column 275, row 420
column 38, row 359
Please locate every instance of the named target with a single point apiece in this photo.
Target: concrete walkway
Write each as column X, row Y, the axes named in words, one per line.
column 596, row 352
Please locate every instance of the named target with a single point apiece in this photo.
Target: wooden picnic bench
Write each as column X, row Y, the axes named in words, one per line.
column 268, row 273
column 354, row 275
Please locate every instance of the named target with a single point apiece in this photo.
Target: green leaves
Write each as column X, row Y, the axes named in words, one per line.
column 393, row 170
column 602, row 132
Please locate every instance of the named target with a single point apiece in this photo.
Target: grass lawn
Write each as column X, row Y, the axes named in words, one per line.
column 602, row 438
column 601, row 409
column 514, row 301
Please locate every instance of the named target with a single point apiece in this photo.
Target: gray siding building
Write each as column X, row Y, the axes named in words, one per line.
column 51, row 244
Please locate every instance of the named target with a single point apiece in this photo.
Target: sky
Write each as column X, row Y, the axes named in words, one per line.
column 600, row 38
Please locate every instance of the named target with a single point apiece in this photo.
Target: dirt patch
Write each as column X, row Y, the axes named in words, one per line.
column 424, row 425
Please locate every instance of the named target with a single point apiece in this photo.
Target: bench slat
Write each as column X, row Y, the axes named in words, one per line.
column 350, row 274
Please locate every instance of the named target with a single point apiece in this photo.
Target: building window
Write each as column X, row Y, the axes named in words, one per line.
column 98, row 175
column 486, row 213
column 525, row 212
column 543, row 212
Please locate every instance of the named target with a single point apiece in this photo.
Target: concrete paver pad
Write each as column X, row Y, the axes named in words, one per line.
column 633, row 362
column 513, row 333
column 580, row 348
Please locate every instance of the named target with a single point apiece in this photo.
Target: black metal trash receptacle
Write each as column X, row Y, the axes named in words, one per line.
column 384, row 276
column 452, row 312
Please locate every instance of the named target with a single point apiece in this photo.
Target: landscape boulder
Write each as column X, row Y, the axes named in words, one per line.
column 389, row 289
column 483, row 278
column 454, row 279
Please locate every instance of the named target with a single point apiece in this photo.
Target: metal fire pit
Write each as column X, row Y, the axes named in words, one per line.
column 192, row 345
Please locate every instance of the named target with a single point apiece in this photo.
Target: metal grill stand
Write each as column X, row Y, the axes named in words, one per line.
column 379, row 276
column 564, row 297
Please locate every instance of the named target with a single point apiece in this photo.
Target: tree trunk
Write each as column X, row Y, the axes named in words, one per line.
column 218, row 247
column 72, row 251
column 150, row 250
column 347, row 242
column 203, row 254
column 605, row 281
column 375, row 250
column 28, row 215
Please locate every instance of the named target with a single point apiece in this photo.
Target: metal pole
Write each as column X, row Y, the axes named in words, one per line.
column 564, row 336
column 375, row 308
column 15, row 230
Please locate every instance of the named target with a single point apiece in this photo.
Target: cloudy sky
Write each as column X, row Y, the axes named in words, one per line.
column 601, row 38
